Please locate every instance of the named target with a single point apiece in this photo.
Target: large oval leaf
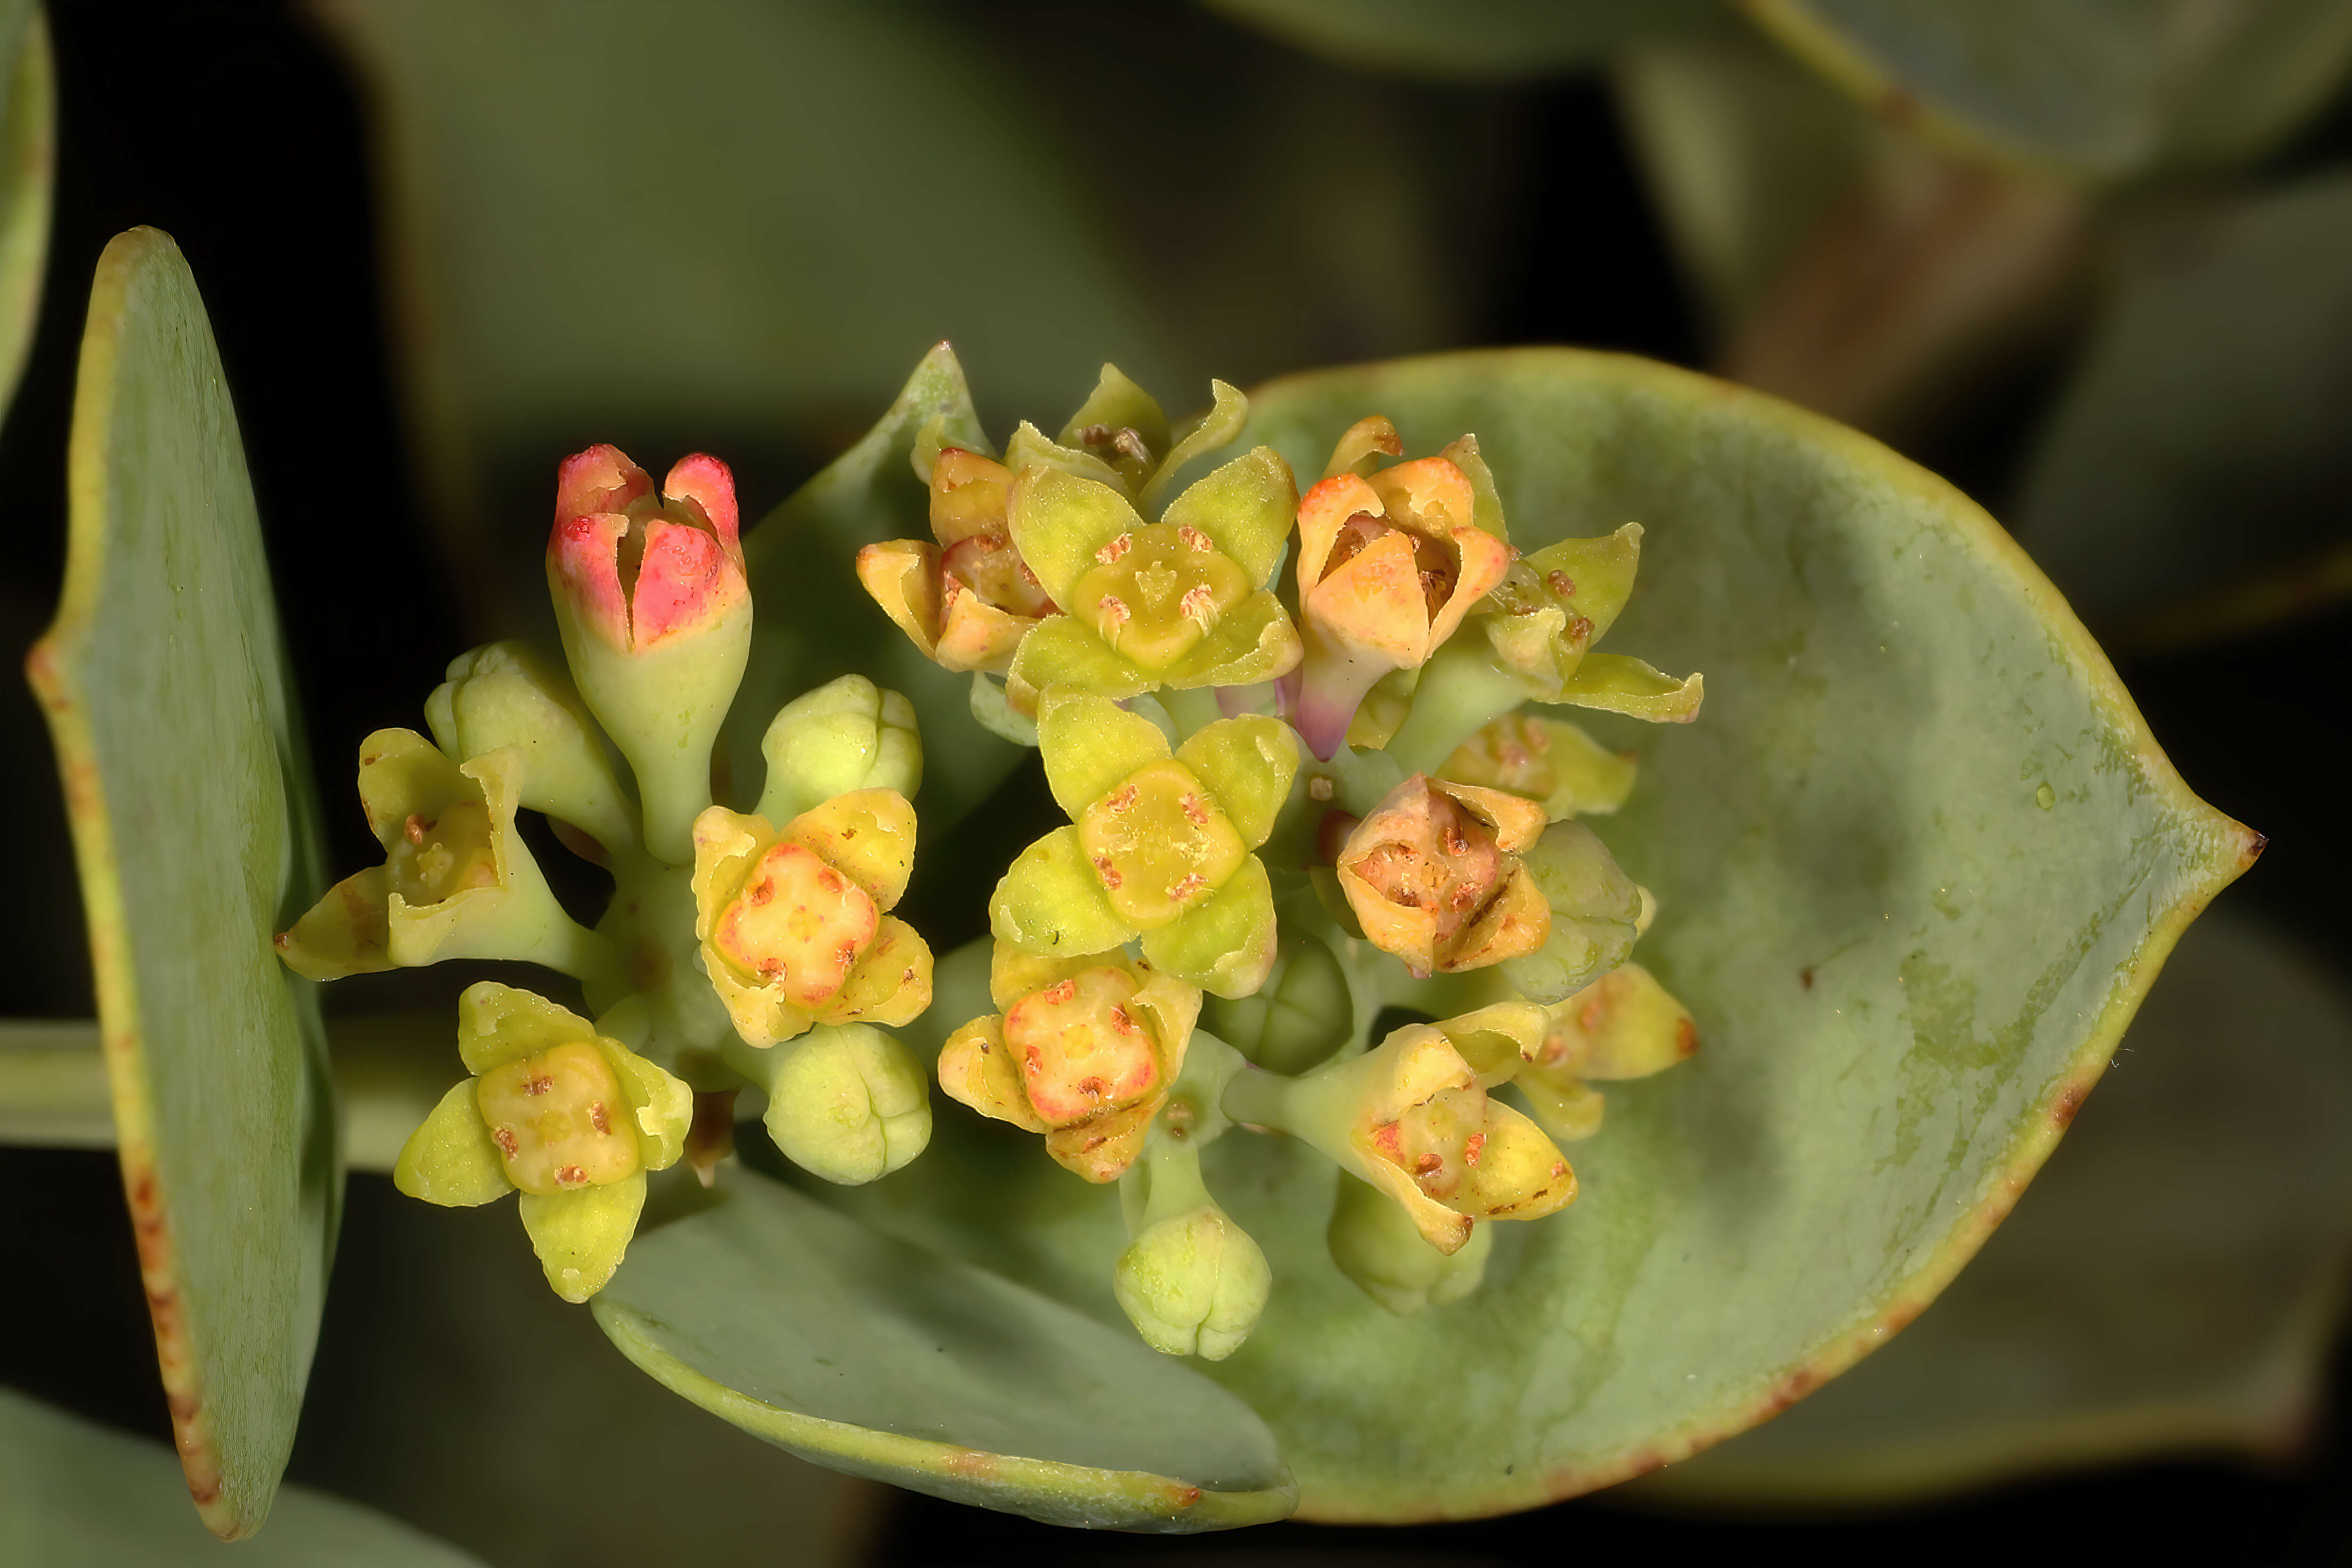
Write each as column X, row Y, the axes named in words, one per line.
column 195, row 826
column 2173, row 1284
column 77, row 1495
column 2195, row 477
column 882, row 1360
column 1918, row 860
column 1467, row 39
column 2101, row 89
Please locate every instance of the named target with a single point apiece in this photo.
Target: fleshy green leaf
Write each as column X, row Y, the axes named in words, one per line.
column 196, row 829
column 2168, row 1286
column 2105, row 89
column 1050, row 901
column 450, row 1159
column 875, row 1357
column 1449, row 40
column 1248, row 763
column 2192, row 479
column 1091, row 745
column 1901, row 961
column 28, row 166
column 74, row 1494
column 580, row 1236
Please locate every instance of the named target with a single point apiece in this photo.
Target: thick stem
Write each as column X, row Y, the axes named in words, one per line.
column 1461, row 690
column 1193, row 711
column 1171, row 1185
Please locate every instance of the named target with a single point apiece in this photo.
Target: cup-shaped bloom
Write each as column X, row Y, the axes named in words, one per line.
column 1413, row 1118
column 1624, row 1026
column 1434, row 875
column 794, row 922
column 506, row 695
column 1161, row 847
column 843, row 736
column 456, row 881
column 1085, row 1051
column 1375, row 1243
column 847, row 1102
column 570, row 1119
column 1549, row 761
column 1191, row 1282
column 969, row 599
column 655, row 614
column 1181, row 602
column 1389, row 564
column 1597, row 912
column 1120, row 437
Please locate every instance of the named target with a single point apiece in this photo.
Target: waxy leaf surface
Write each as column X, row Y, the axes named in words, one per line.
column 74, row 1494
column 1917, row 862
column 195, row 825
column 27, row 170
column 1470, row 40
column 882, row 1360
column 2171, row 1285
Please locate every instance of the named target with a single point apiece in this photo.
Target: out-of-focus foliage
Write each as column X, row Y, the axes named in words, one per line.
column 28, row 166
column 2172, row 1283
column 2195, row 475
column 1905, row 942
column 1467, row 39
column 2101, row 90
column 76, row 1495
column 196, row 825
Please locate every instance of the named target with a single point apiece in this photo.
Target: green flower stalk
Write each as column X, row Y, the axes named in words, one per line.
column 1160, row 847
column 847, row 1102
column 456, row 881
column 656, row 616
column 562, row 1113
column 1084, row 1050
column 506, row 695
column 794, row 922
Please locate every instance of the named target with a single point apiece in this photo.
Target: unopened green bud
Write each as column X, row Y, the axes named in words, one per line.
column 846, row 1102
column 1192, row 1282
column 506, row 695
column 1595, row 908
column 1376, row 1244
column 847, row 734
column 1299, row 1017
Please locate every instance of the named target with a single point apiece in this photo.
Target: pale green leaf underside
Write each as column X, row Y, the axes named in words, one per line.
column 1467, row 40
column 1900, row 962
column 2104, row 88
column 2171, row 1285
column 27, row 170
column 194, row 827
column 2194, row 476
column 877, row 1358
column 74, row 1494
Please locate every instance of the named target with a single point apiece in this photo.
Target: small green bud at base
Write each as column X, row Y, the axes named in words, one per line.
column 1192, row 1282
column 847, row 734
column 1376, row 1244
column 847, row 1103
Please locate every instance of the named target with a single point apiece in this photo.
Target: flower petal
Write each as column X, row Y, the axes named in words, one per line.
column 580, row 1236
column 1052, row 901
column 1091, row 745
column 1248, row 763
column 1225, row 944
column 1063, row 650
column 498, row 1024
column 867, row 834
column 450, row 1159
column 1058, row 520
column 1245, row 508
column 1254, row 641
column 663, row 1105
column 1618, row 684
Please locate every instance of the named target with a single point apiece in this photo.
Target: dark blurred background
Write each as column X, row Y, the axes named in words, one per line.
column 239, row 129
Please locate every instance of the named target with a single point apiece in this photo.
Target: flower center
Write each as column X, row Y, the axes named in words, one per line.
column 559, row 1119
column 1436, row 1142
column 1082, row 1048
column 437, row 858
column 1160, row 844
column 1438, row 567
column 1453, row 869
column 798, row 923
column 1156, row 590
column 1513, row 754
column 991, row 569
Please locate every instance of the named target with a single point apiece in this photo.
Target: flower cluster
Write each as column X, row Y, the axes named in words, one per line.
column 1287, row 735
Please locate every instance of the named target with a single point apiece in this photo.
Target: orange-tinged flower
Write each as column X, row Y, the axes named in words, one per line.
column 1434, row 875
column 967, row 600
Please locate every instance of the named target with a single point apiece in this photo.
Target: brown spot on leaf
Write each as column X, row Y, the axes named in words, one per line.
column 2069, row 1101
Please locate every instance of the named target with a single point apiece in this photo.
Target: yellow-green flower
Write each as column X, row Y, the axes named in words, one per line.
column 570, row 1119
column 1622, row 1025
column 1160, row 847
